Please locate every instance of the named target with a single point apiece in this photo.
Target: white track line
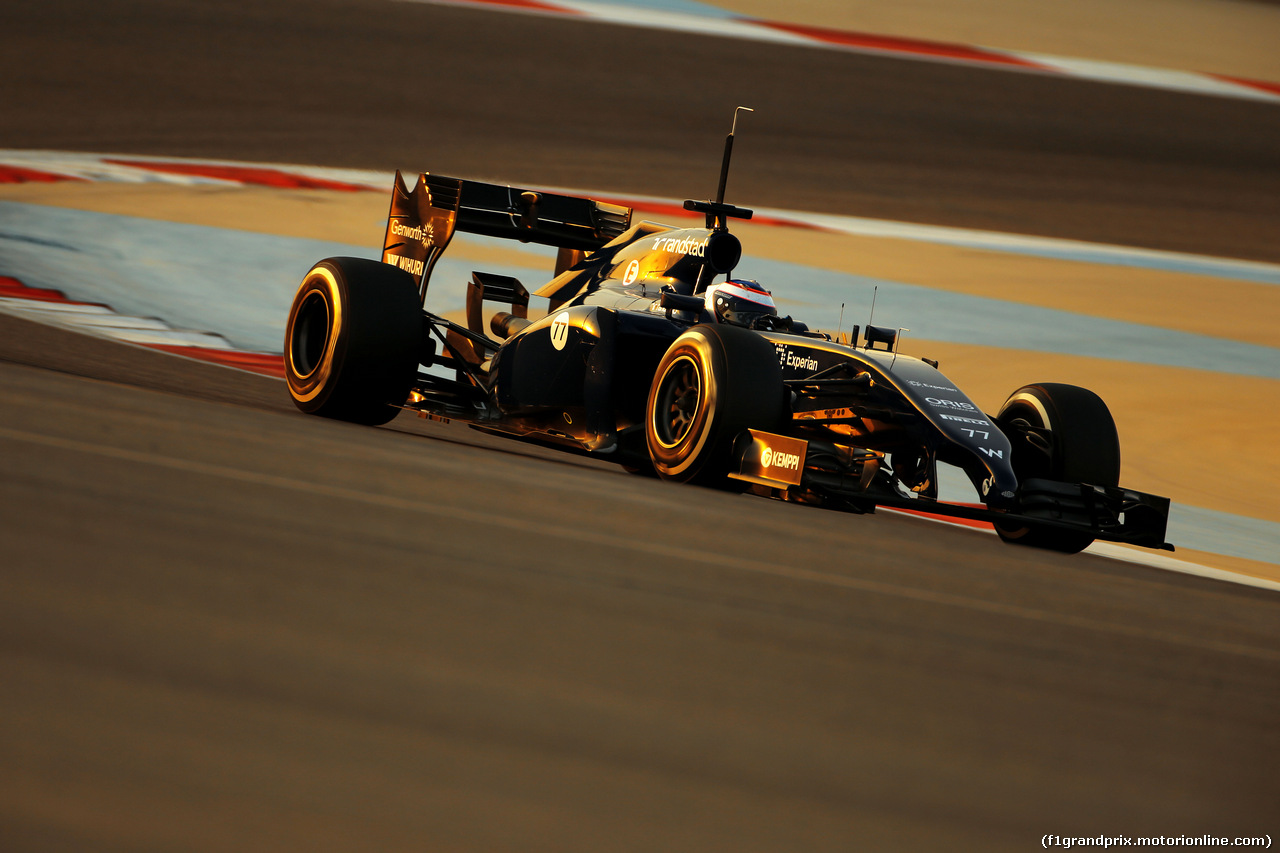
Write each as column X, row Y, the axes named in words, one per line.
column 96, row 167
column 97, row 319
column 102, row 321
column 639, row 544
column 754, row 29
column 1113, row 551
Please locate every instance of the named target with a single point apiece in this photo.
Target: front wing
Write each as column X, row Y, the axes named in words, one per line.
column 1110, row 513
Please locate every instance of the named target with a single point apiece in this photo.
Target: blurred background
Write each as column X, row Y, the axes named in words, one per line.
column 226, row 626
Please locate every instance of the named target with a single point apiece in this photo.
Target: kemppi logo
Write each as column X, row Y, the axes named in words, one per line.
column 770, row 458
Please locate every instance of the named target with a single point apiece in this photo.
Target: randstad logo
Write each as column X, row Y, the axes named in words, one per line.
column 770, row 459
column 687, row 246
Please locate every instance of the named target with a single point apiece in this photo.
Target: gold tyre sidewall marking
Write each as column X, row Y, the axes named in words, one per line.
column 697, row 350
column 683, row 357
column 307, row 388
column 1025, row 401
column 303, row 301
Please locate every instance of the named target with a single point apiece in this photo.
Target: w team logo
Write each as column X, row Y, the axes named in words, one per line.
column 633, row 272
column 560, row 330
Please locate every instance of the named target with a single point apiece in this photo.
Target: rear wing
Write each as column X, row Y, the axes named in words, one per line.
column 421, row 223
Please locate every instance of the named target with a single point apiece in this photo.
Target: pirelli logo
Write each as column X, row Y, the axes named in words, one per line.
column 771, row 460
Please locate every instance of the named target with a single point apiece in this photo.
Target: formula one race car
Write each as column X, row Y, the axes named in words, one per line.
column 653, row 356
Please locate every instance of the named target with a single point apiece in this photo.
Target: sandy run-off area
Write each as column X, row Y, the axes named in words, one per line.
column 1190, row 434
column 1230, row 37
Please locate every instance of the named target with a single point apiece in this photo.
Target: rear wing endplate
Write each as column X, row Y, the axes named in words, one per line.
column 422, row 222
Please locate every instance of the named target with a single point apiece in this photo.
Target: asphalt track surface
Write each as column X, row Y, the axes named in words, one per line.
column 540, row 101
column 227, row 625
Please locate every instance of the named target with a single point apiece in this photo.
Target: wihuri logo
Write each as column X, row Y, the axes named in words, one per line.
column 409, row 265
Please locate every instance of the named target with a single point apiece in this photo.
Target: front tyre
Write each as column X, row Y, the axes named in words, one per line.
column 713, row 383
column 352, row 340
column 1059, row 432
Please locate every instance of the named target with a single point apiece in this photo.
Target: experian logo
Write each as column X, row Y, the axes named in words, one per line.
column 789, row 359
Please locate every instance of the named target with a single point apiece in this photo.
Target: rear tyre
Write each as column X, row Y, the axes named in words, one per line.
column 1081, row 446
column 713, row 383
column 352, row 341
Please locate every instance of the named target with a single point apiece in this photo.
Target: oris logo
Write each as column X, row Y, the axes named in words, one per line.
column 771, row 459
column 560, row 330
column 939, row 403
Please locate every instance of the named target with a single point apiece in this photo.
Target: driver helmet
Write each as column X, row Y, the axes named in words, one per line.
column 740, row 301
